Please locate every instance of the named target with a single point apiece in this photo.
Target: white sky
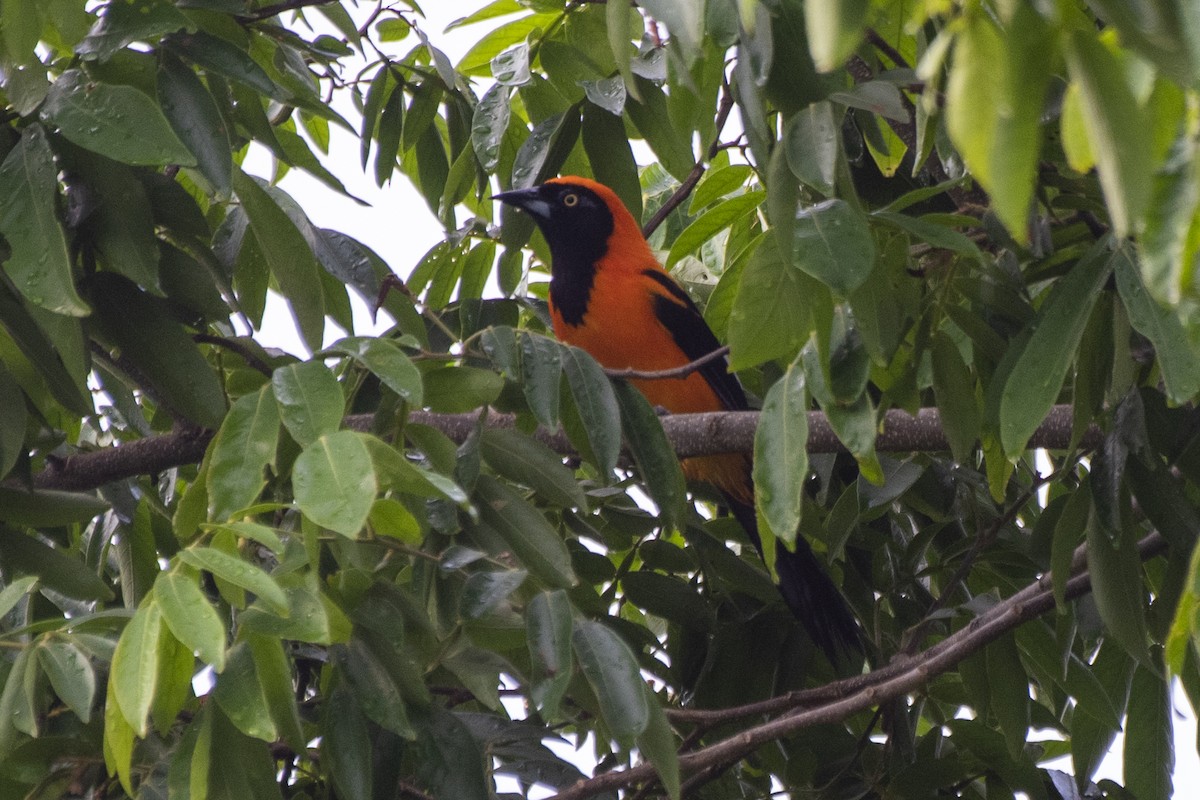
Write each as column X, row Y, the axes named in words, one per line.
column 398, row 225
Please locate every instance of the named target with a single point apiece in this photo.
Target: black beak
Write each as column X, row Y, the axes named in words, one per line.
column 528, row 200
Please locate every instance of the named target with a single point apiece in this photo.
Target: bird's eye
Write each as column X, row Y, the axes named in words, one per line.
column 570, row 200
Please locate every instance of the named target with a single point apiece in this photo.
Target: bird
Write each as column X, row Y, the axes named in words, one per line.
column 610, row 296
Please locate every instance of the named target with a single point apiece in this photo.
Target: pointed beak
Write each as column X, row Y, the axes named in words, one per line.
column 528, row 200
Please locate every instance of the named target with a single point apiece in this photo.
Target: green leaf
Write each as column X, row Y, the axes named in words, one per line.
column 541, row 377
column 534, row 542
column 713, row 221
column 1177, row 358
column 240, row 453
column 1009, row 687
column 548, row 630
column 288, row 254
column 334, row 481
column 994, row 104
column 116, row 121
column 478, row 60
column 21, row 25
column 652, row 452
column 597, row 406
column 1036, row 378
column 488, row 126
column 135, row 666
column 1116, row 129
column 669, row 142
column 11, row 594
column 311, row 403
column 385, row 358
column 527, row 461
column 620, row 28
column 39, row 264
column 772, row 311
column 391, row 126
column 346, row 745
column 484, row 591
column 239, row 693
column 1091, row 738
column 275, row 675
column 27, row 555
column 1149, row 746
column 834, row 30
column 310, row 617
column 118, row 733
column 148, row 337
column 47, row 508
column 191, row 617
column 612, row 670
column 780, row 455
column 511, row 68
column 238, row 572
column 1117, row 586
column 954, row 388
column 546, row 149
column 659, row 744
column 20, row 322
column 834, row 245
column 71, row 675
column 810, row 140
column 456, row 390
column 122, row 224
column 1168, row 246
column 193, row 115
column 717, row 183
column 932, row 233
column 610, row 154
column 668, row 597
column 126, row 22
column 377, row 693
column 216, row 55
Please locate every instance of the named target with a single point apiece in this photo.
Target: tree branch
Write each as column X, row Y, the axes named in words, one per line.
column 677, row 372
column 691, row 435
column 906, row 674
column 689, row 183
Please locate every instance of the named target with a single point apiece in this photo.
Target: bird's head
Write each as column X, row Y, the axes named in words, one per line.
column 568, row 210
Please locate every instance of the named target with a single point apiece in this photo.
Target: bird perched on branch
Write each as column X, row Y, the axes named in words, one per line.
column 611, row 297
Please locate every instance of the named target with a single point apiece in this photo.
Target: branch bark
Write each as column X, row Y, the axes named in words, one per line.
column 863, row 692
column 691, row 435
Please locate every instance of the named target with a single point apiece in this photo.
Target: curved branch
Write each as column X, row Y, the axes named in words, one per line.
column 867, row 691
column 689, row 183
column 677, row 372
column 691, row 435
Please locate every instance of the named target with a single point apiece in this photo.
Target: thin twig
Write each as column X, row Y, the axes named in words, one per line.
column 885, row 47
column 676, row 372
column 253, row 361
column 689, row 183
column 912, row 638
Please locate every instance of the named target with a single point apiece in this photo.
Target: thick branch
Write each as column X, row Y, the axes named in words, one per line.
column 905, row 675
column 690, row 435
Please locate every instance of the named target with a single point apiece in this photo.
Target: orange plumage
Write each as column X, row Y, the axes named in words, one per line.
column 611, row 297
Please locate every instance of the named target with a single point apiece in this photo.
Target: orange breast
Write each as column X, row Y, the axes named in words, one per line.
column 621, row 331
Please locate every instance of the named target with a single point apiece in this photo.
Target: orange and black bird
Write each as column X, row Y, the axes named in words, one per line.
column 611, row 297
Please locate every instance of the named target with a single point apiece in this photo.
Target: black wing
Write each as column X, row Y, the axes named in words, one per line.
column 696, row 339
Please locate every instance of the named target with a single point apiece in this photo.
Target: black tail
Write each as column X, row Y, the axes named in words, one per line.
column 808, row 591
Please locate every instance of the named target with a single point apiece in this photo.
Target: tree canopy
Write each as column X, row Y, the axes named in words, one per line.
column 951, row 247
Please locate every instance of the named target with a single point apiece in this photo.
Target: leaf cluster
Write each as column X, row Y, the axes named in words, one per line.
column 356, row 587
